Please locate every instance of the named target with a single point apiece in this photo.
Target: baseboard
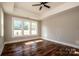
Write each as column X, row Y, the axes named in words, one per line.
column 42, row 38
column 1, row 50
column 71, row 45
column 8, row 42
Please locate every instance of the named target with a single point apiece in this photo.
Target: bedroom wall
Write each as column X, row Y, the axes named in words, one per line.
column 8, row 31
column 63, row 27
column 1, row 31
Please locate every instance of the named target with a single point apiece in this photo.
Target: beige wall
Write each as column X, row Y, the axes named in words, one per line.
column 8, row 31
column 1, row 36
column 62, row 27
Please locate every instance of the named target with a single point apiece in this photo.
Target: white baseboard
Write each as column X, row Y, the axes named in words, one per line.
column 8, row 42
column 72, row 45
column 1, row 50
column 62, row 43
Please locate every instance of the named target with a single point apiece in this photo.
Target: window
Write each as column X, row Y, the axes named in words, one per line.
column 34, row 28
column 17, row 28
column 26, row 28
column 22, row 27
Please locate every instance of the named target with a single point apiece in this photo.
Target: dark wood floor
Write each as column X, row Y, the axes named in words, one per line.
column 39, row 48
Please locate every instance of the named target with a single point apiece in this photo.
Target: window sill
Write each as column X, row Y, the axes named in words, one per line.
column 24, row 36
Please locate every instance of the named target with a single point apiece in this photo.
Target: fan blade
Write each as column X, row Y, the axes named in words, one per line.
column 36, row 4
column 47, row 6
column 43, row 2
column 40, row 8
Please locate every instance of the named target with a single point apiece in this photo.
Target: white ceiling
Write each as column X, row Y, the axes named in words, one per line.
column 35, row 9
column 25, row 9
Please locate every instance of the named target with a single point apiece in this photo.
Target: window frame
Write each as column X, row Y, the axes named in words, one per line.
column 23, row 20
column 29, row 29
column 36, row 28
column 13, row 27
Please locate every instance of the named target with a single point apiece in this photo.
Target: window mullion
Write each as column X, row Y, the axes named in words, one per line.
column 22, row 28
column 30, row 27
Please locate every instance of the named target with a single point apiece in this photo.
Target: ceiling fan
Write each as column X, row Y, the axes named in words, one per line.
column 41, row 5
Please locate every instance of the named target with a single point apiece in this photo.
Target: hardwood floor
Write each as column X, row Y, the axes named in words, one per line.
column 39, row 48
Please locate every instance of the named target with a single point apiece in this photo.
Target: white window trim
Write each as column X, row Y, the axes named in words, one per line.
column 36, row 29
column 13, row 28
column 22, row 27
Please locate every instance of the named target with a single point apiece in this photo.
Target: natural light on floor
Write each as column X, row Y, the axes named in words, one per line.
column 32, row 42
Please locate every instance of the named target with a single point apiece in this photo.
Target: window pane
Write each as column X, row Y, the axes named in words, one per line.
column 17, row 29
column 34, row 28
column 26, row 28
